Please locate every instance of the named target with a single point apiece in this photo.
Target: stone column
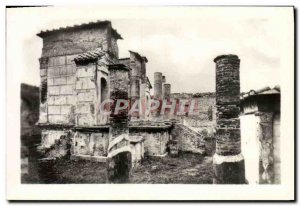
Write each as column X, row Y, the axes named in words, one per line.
column 157, row 93
column 158, row 85
column 167, row 100
column 163, row 82
column 167, row 91
column 119, row 156
column 228, row 160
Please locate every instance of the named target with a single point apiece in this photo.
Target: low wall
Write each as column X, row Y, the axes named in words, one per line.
column 93, row 144
column 155, row 140
column 188, row 140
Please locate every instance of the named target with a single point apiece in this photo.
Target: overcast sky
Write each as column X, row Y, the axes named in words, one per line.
column 179, row 42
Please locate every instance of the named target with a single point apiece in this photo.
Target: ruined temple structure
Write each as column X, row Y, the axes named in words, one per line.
column 80, row 69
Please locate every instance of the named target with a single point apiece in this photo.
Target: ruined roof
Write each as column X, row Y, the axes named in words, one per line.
column 90, row 55
column 118, row 66
column 81, row 26
column 142, row 58
column 262, row 91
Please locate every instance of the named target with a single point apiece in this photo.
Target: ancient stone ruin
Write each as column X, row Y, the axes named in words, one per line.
column 98, row 107
column 228, row 160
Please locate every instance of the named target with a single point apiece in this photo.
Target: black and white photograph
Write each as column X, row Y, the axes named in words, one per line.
column 153, row 99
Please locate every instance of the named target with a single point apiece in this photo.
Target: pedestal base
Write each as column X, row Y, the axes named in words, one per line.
column 229, row 169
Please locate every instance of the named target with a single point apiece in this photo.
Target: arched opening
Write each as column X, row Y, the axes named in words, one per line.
column 118, row 167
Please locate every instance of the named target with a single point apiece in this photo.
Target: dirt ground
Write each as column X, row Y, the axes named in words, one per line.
column 187, row 168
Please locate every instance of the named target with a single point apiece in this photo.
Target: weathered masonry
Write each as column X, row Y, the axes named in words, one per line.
column 228, row 160
column 260, row 132
column 77, row 70
column 81, row 71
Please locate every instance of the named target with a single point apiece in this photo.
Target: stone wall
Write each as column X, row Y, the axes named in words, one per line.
column 204, row 119
column 92, row 144
column 155, row 141
column 50, row 135
column 85, row 90
column 188, row 140
column 260, row 135
column 61, row 89
column 64, row 82
column 250, row 147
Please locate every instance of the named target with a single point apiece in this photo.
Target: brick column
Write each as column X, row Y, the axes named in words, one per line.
column 119, row 157
column 228, row 160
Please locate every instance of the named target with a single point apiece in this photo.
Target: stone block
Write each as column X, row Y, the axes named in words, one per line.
column 65, row 109
column 59, row 100
column 90, row 83
column 70, row 80
column 86, row 96
column 51, row 100
column 63, row 70
column 50, row 136
column 52, row 72
column 55, row 61
column 85, row 72
column 82, row 108
column 54, row 90
column 85, row 119
column 53, row 110
column 69, row 69
column 66, row 89
column 43, row 72
column 60, row 80
column 71, row 99
column 50, row 81
column 58, row 119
